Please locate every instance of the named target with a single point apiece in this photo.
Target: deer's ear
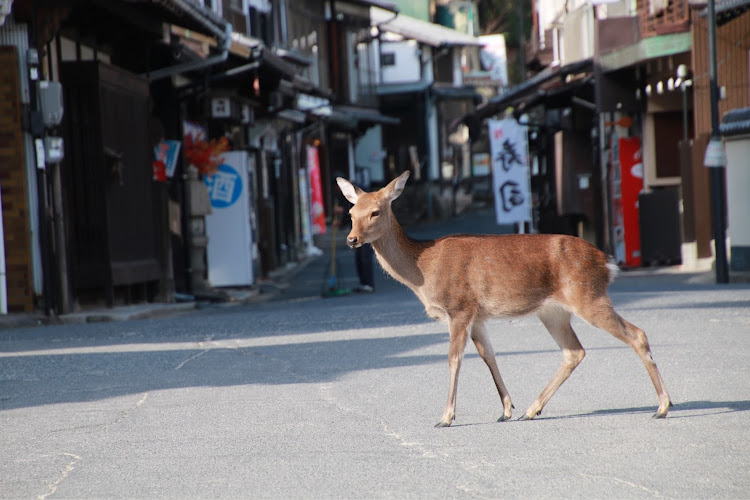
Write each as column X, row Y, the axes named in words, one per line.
column 350, row 191
column 396, row 186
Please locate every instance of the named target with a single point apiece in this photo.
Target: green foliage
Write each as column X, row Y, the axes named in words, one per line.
column 501, row 16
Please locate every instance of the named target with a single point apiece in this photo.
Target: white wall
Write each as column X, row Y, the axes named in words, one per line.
column 738, row 180
column 578, row 35
column 369, row 153
column 408, row 68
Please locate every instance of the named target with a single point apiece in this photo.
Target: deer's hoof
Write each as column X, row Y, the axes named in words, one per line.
column 660, row 414
column 504, row 418
column 525, row 417
column 442, row 424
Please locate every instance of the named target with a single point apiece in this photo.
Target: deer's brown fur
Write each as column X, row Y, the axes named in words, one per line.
column 464, row 279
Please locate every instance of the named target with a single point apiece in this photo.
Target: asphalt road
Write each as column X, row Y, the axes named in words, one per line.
column 304, row 397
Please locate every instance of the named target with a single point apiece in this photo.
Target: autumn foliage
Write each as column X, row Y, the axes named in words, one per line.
column 205, row 155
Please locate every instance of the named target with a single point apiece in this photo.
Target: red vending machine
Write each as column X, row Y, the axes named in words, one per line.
column 627, row 185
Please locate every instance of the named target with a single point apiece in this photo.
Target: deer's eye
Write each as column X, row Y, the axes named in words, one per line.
column 375, row 214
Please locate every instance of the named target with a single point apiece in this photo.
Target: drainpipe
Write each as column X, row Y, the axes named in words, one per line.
column 428, row 147
column 225, row 43
column 3, row 284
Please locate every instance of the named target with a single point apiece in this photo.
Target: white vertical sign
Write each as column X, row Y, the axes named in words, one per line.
column 509, row 154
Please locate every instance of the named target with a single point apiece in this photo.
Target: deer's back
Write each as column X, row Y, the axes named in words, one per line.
column 509, row 275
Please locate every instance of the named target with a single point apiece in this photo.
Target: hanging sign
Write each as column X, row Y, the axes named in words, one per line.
column 509, row 153
column 317, row 212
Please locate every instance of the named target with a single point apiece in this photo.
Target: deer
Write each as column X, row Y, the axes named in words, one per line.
column 463, row 280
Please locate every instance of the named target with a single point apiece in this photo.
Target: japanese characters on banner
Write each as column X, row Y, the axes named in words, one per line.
column 317, row 212
column 509, row 157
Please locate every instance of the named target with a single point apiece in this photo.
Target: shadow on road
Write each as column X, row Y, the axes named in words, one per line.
column 688, row 409
column 298, row 339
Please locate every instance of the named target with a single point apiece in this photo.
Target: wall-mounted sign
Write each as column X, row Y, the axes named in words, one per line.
column 221, row 107
column 224, row 186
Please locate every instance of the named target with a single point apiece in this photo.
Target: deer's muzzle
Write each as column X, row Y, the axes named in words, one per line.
column 352, row 242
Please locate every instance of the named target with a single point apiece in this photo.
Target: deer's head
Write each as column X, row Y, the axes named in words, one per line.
column 371, row 214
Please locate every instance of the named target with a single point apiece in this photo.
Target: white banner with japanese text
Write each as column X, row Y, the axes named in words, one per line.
column 509, row 153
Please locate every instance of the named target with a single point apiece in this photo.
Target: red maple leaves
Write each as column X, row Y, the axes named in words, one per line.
column 205, row 155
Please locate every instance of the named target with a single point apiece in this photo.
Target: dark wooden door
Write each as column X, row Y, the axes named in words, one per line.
column 107, row 178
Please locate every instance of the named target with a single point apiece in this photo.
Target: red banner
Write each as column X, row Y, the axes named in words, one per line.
column 317, row 212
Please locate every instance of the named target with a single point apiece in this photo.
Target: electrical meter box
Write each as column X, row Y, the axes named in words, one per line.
column 53, row 149
column 51, row 102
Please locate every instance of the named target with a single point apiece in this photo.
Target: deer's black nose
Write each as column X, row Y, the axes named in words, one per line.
column 351, row 240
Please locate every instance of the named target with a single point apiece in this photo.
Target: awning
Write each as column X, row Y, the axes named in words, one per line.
column 243, row 46
column 457, row 93
column 274, row 62
column 439, row 91
column 260, row 55
column 411, row 28
column 353, row 118
column 528, row 89
column 252, row 58
column 648, row 48
column 401, row 88
column 559, row 97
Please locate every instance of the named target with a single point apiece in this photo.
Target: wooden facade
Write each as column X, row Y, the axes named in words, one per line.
column 733, row 68
column 733, row 73
column 14, row 188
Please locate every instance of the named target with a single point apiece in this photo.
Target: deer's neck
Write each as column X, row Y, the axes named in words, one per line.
column 399, row 255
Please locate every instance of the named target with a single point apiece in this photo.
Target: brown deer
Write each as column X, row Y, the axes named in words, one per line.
column 464, row 280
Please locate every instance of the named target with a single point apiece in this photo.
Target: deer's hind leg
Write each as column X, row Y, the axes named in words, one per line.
column 557, row 321
column 484, row 348
column 602, row 315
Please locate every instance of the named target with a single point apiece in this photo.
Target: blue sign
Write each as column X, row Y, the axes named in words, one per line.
column 224, row 186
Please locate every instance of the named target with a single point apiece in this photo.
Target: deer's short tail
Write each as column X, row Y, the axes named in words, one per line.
column 614, row 269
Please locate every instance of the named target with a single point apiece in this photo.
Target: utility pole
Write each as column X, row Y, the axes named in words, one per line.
column 715, row 158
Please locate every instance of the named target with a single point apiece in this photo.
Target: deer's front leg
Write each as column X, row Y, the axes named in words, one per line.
column 459, row 329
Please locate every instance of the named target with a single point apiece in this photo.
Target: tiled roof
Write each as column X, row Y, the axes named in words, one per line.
column 735, row 122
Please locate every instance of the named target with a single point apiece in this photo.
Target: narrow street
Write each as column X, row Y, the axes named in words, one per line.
column 305, row 397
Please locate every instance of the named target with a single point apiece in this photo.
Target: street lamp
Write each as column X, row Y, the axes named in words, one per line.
column 683, row 82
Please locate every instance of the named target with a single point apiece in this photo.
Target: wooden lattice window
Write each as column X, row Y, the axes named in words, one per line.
column 660, row 17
